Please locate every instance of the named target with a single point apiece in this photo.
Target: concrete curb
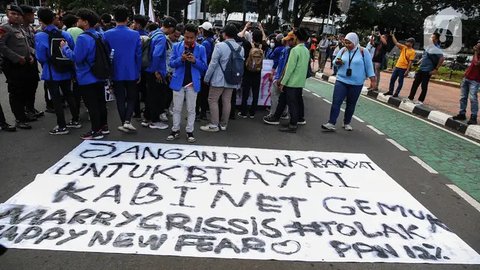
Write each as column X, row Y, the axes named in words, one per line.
column 430, row 114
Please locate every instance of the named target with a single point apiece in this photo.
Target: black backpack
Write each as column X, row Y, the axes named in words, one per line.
column 102, row 67
column 235, row 66
column 57, row 60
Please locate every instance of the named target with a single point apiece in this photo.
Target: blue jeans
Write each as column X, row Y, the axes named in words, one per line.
column 469, row 90
column 340, row 92
column 400, row 74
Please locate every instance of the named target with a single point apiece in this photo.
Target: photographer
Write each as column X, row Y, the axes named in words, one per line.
column 354, row 65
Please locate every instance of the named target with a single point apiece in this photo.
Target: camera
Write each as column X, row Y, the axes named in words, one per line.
column 349, row 72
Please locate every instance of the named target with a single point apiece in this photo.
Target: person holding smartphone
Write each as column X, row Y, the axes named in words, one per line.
column 354, row 66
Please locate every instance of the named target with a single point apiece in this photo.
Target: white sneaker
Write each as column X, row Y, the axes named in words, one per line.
column 123, row 129
column 163, row 117
column 210, row 128
column 158, row 125
column 145, row 123
column 348, row 127
column 223, row 127
column 129, row 126
column 418, row 102
column 329, row 127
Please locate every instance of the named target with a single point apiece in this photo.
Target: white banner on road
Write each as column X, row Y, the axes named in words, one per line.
column 222, row 202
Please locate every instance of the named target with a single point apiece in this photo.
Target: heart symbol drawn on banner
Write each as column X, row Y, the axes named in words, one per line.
column 287, row 247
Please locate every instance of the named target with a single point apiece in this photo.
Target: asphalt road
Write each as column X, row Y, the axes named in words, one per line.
column 26, row 153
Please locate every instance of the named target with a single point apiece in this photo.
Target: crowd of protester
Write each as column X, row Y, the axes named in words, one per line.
column 155, row 70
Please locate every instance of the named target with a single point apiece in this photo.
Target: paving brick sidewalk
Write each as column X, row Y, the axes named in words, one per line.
column 441, row 97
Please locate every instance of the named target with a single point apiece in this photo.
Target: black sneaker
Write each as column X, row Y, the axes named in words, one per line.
column 38, row 113
column 472, row 121
column 271, row 120
column 7, row 127
column 395, row 96
column 241, row 115
column 30, row 117
column 105, row 130
column 190, row 137
column 74, row 124
column 289, row 129
column 460, row 117
column 22, row 125
column 91, row 135
column 387, row 94
column 59, row 131
column 173, row 135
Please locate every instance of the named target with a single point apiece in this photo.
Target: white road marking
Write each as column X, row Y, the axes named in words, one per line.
column 358, row 119
column 376, row 130
column 307, row 90
column 465, row 196
column 327, row 101
column 396, row 144
column 416, row 117
column 424, row 165
column 315, row 94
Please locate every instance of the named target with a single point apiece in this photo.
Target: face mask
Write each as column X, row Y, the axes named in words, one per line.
column 272, row 45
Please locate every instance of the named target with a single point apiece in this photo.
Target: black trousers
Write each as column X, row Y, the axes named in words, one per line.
column 77, row 96
column 31, row 92
column 202, row 100
column 48, row 101
column 58, row 98
column 251, row 82
column 2, row 116
column 141, row 93
column 18, row 95
column 157, row 97
column 126, row 95
column 292, row 97
column 94, row 97
column 421, row 77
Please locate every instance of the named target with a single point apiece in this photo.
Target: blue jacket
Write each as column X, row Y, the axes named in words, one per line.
column 208, row 43
column 198, row 68
column 275, row 55
column 42, row 51
column 282, row 62
column 127, row 57
column 362, row 66
column 142, row 32
column 84, row 57
column 159, row 53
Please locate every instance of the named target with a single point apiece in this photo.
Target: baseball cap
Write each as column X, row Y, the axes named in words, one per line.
column 206, row 26
column 289, row 36
column 15, row 8
column 412, row 40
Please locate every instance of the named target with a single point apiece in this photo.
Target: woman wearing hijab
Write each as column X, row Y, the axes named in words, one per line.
column 354, row 65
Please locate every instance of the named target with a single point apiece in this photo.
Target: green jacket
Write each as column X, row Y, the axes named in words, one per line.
column 297, row 67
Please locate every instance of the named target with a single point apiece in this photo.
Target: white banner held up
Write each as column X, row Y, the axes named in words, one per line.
column 222, row 202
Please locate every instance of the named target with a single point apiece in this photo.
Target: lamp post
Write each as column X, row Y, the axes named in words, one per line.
column 168, row 7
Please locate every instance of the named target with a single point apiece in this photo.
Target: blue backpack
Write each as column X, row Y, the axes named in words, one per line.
column 233, row 72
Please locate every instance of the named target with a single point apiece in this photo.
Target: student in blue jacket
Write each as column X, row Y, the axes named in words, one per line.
column 56, row 79
column 189, row 60
column 126, row 47
column 92, row 88
column 156, row 74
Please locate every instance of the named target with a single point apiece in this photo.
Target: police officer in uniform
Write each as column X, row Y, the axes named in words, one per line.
column 28, row 20
column 19, row 65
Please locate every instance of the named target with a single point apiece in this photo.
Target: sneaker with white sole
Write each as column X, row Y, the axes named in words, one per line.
column 173, row 135
column 271, row 120
column 348, row 127
column 74, row 124
column 241, row 115
column 223, row 127
column 59, row 131
column 190, row 137
column 105, row 130
column 123, row 129
column 302, row 122
column 158, row 125
column 128, row 125
column 418, row 102
column 210, row 128
column 328, row 127
column 163, row 117
column 145, row 123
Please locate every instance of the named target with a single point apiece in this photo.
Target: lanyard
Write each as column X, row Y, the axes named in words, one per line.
column 351, row 58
